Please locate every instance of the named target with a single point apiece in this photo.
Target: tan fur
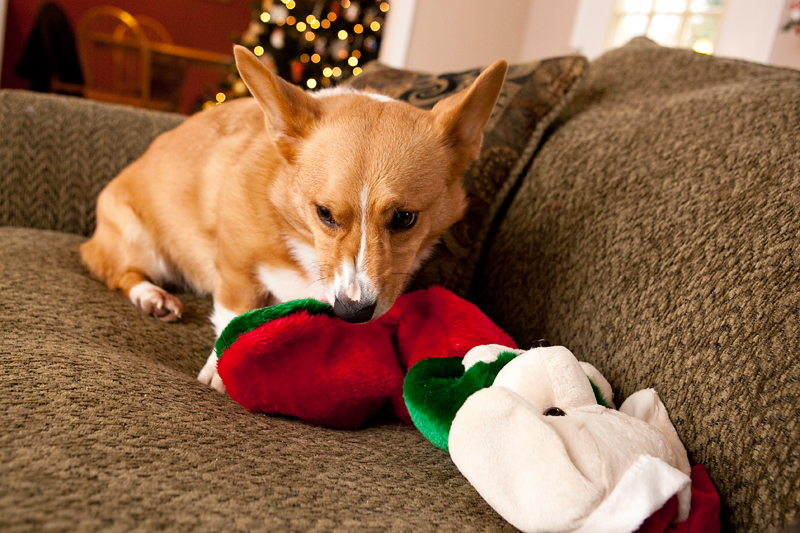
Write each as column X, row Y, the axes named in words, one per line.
column 217, row 201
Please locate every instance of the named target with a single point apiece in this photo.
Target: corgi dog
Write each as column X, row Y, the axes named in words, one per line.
column 336, row 195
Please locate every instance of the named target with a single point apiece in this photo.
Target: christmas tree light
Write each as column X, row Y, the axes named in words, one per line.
column 312, row 43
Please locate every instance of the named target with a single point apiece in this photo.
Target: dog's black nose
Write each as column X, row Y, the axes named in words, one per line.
column 353, row 312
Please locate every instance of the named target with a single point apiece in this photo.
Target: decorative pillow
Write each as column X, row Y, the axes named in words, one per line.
column 532, row 96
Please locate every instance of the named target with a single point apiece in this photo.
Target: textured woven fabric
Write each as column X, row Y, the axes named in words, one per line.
column 104, row 427
column 531, row 98
column 657, row 235
column 58, row 153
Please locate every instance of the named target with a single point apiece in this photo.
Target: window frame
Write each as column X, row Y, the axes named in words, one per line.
column 747, row 30
column 685, row 15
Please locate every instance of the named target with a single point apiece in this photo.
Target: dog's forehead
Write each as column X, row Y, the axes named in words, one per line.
column 367, row 122
column 385, row 145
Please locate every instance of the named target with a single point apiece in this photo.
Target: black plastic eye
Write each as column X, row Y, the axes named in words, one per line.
column 554, row 411
column 541, row 343
column 403, row 220
column 325, row 216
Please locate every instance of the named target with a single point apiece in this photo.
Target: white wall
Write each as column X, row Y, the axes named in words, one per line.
column 592, row 22
column 397, row 30
column 548, row 28
column 786, row 51
column 749, row 29
column 441, row 35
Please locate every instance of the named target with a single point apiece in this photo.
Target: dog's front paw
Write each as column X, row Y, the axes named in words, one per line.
column 155, row 301
column 209, row 376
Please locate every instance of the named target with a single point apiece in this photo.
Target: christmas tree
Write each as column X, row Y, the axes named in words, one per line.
column 312, row 43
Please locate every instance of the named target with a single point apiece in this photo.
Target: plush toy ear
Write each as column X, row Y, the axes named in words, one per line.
column 521, row 466
column 435, row 389
column 600, row 385
column 289, row 109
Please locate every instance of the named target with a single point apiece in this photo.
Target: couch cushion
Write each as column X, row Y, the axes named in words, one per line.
column 532, row 96
column 59, row 152
column 104, row 427
column 656, row 236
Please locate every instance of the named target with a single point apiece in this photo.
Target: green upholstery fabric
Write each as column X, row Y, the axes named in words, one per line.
column 104, row 427
column 58, row 153
column 655, row 234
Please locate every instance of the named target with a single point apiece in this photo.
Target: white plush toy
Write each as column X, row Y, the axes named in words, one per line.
column 537, row 446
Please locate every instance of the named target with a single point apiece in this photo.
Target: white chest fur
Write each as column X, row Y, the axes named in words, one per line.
column 286, row 284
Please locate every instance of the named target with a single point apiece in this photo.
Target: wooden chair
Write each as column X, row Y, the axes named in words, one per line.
column 118, row 60
column 167, row 71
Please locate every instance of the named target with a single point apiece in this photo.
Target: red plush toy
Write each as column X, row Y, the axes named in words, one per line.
column 298, row 359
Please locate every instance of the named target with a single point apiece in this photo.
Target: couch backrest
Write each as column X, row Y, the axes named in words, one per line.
column 57, row 153
column 657, row 235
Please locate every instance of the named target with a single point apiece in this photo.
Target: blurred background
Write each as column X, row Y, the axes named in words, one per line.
column 176, row 54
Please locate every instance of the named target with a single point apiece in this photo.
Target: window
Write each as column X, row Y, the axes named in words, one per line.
column 682, row 23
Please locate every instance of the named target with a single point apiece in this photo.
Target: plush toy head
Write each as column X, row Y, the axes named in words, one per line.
column 536, row 444
column 435, row 389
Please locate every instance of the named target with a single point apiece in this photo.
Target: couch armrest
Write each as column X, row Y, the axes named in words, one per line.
column 57, row 153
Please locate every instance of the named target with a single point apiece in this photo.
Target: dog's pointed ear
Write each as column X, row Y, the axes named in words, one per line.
column 463, row 115
column 289, row 109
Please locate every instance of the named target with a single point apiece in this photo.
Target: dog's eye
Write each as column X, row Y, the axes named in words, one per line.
column 325, row 216
column 403, row 220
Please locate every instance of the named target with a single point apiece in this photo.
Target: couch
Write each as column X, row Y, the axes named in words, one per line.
column 645, row 213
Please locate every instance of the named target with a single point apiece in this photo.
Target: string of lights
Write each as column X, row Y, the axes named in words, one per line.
column 312, row 43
